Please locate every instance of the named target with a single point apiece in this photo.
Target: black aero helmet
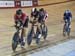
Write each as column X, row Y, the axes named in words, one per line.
column 42, row 9
column 19, row 12
column 35, row 9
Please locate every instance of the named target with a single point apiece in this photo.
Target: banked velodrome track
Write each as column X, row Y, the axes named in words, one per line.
column 6, row 50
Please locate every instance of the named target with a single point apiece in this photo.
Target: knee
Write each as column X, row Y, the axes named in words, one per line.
column 24, row 29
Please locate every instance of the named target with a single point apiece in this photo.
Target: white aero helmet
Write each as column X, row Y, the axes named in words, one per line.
column 33, row 9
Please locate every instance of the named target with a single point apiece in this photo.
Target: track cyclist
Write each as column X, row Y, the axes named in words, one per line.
column 34, row 17
column 23, row 19
column 42, row 18
column 67, row 19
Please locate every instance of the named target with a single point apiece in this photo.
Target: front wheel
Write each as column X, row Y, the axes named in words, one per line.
column 44, row 31
column 64, row 30
column 14, row 45
column 29, row 37
column 68, row 33
column 15, row 41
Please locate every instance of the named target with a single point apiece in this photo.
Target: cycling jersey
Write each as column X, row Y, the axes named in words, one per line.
column 34, row 14
column 42, row 16
column 67, row 16
column 23, row 19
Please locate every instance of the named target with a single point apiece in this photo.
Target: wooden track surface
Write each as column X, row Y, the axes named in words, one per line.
column 40, row 2
column 54, row 23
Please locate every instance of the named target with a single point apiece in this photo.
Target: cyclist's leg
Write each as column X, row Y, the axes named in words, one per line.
column 43, row 26
column 23, row 37
column 35, row 28
column 24, row 31
column 69, row 28
column 39, row 29
column 34, row 31
column 44, row 23
column 25, row 28
column 16, row 24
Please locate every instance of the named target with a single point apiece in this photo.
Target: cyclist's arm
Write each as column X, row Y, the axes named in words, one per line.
column 15, row 18
column 71, row 15
column 64, row 18
column 46, row 15
column 31, row 14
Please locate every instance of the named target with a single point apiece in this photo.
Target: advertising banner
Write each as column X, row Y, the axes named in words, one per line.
column 26, row 3
column 7, row 4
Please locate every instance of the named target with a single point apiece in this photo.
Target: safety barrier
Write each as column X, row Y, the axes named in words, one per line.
column 18, row 3
column 25, row 3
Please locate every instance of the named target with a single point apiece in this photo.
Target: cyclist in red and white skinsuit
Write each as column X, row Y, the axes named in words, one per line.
column 23, row 19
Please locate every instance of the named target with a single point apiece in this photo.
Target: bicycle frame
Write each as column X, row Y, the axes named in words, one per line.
column 16, row 38
column 66, row 29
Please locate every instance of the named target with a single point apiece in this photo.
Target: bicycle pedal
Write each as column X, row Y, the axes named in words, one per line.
column 22, row 44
